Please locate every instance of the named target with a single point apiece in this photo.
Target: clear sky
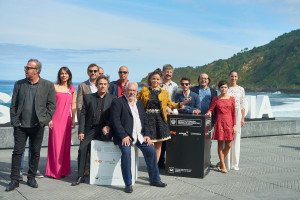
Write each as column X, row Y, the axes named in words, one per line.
column 142, row 35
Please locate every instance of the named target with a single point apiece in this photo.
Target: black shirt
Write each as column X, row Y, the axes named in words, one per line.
column 99, row 110
column 28, row 116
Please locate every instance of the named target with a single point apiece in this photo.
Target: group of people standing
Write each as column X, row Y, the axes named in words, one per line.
column 116, row 109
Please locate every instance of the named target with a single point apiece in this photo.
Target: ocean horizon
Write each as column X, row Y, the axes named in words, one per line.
column 283, row 105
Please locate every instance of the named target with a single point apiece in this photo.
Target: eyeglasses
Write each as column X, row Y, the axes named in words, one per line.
column 91, row 71
column 28, row 68
column 123, row 72
column 203, row 78
column 182, row 84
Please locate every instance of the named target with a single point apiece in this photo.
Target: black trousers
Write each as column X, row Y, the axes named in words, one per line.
column 36, row 135
column 85, row 146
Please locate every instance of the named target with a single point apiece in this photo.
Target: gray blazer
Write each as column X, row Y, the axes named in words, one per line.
column 83, row 89
column 45, row 101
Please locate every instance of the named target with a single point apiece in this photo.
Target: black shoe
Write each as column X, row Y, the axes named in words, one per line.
column 158, row 184
column 12, row 185
column 32, row 183
column 128, row 189
column 79, row 180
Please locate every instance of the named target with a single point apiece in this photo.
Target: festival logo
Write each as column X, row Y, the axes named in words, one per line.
column 171, row 170
column 173, row 121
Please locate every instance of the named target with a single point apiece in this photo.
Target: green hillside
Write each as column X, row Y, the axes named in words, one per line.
column 274, row 66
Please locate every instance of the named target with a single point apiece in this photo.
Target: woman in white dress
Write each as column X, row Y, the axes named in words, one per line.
column 233, row 157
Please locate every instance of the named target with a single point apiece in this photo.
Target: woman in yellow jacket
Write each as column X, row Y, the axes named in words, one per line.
column 156, row 101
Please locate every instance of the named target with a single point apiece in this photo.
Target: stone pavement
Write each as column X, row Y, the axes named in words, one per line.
column 269, row 169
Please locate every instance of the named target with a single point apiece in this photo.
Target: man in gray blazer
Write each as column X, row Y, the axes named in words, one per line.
column 87, row 87
column 32, row 107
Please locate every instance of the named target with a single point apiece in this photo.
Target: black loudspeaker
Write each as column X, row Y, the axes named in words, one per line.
column 188, row 150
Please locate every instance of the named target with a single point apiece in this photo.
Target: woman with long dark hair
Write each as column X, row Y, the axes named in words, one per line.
column 156, row 101
column 236, row 91
column 60, row 128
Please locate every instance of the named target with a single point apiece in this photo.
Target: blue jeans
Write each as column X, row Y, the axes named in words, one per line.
column 149, row 153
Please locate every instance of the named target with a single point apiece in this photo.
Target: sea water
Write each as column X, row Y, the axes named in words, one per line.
column 283, row 105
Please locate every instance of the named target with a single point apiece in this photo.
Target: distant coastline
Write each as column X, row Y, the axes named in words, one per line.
column 5, row 83
column 267, row 90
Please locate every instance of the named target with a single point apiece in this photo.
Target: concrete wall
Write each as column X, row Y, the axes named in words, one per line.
column 279, row 126
column 7, row 138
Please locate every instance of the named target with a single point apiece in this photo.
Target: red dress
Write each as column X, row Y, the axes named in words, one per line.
column 225, row 118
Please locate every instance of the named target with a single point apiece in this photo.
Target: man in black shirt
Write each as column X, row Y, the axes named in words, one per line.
column 94, row 122
column 32, row 107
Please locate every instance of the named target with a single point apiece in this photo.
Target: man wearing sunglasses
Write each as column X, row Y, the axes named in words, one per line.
column 117, row 88
column 84, row 88
column 193, row 106
column 87, row 87
column 32, row 107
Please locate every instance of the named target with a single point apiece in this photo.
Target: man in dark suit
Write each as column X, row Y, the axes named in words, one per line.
column 94, row 122
column 130, row 126
column 117, row 88
column 32, row 107
column 193, row 106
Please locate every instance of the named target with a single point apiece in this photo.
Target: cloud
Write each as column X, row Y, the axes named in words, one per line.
column 60, row 33
column 9, row 51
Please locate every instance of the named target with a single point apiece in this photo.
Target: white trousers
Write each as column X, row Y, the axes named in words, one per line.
column 233, row 158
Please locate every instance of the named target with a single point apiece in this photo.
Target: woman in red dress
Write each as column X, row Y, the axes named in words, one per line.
column 225, row 125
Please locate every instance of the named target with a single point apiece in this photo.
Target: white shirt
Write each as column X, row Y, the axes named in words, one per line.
column 93, row 87
column 187, row 96
column 137, row 126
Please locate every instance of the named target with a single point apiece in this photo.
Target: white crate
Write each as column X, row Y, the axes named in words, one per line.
column 105, row 167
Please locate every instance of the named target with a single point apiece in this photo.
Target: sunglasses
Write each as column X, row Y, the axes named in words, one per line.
column 91, row 71
column 28, row 68
column 182, row 84
column 122, row 72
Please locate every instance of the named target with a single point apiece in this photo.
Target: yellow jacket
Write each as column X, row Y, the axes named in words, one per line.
column 144, row 97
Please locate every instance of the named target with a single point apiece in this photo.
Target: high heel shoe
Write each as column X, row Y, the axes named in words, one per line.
column 218, row 166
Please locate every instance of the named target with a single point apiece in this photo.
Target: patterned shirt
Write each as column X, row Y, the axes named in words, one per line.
column 172, row 89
